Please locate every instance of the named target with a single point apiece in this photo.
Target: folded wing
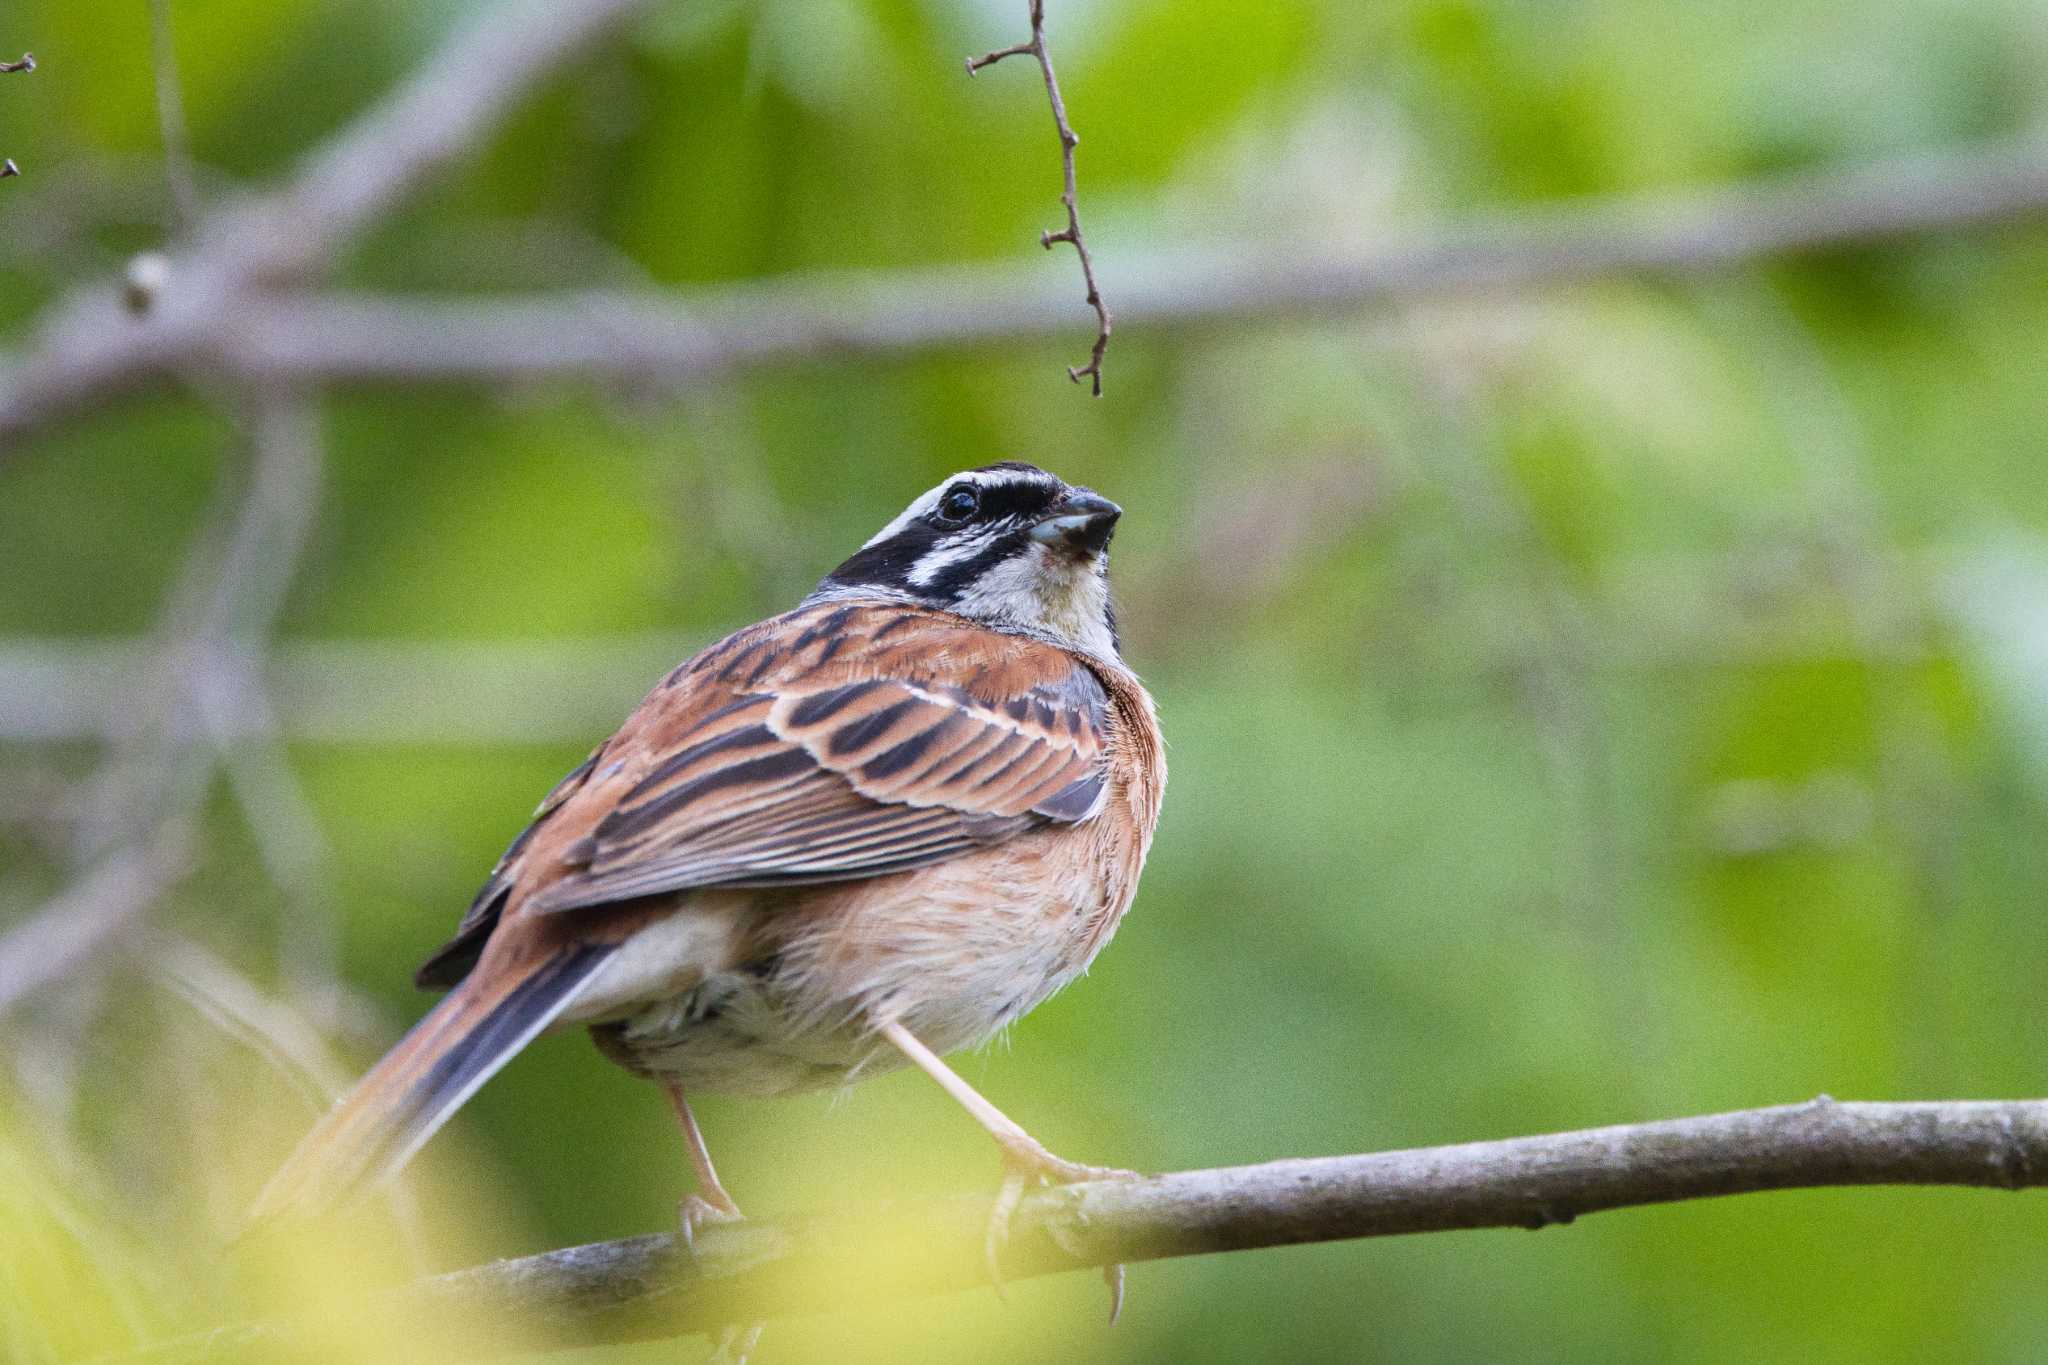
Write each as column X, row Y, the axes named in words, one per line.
column 843, row 743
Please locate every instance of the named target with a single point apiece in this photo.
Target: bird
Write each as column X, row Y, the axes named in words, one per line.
column 848, row 839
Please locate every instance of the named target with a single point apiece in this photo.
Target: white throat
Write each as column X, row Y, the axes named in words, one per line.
column 1049, row 593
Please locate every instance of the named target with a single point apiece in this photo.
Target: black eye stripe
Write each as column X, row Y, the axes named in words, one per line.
column 889, row 562
column 955, row 579
column 998, row 529
column 1014, row 498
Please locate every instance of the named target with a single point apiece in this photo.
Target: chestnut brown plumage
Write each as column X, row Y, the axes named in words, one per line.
column 876, row 829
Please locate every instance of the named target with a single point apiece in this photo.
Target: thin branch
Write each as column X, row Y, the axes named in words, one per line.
column 76, row 924
column 221, row 611
column 8, row 169
column 444, row 111
column 646, row 1288
column 95, row 350
column 269, row 1026
column 91, row 344
column 170, row 117
column 227, row 603
column 1676, row 612
column 1069, row 140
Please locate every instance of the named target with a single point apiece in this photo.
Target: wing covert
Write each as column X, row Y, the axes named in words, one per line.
column 858, row 750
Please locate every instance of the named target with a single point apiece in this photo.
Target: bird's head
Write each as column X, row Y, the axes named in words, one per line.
column 1007, row 545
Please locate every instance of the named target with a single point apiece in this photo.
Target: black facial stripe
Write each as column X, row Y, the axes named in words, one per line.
column 1015, row 498
column 955, row 579
column 888, row 563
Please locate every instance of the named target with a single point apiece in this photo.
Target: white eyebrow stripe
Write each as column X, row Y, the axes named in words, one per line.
column 926, row 501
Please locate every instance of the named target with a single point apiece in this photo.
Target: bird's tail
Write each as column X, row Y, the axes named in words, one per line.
column 378, row 1126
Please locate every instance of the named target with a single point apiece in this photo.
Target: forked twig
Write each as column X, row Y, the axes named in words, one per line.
column 1069, row 140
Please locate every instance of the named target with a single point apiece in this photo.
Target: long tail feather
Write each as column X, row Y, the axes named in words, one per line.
column 378, row 1126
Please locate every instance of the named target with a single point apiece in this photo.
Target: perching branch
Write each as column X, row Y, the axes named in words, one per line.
column 1069, row 140
column 645, row 1288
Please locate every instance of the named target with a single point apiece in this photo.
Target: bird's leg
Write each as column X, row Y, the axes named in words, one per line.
column 1024, row 1157
column 710, row 1203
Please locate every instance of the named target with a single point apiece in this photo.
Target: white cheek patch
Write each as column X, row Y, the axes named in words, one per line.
column 1006, row 589
column 1048, row 592
column 953, row 551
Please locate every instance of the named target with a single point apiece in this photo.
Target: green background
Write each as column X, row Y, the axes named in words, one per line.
column 1585, row 705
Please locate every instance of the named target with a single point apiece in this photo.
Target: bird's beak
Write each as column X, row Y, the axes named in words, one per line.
column 1083, row 523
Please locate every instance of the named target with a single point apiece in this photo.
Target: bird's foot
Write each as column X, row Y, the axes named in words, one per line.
column 736, row 1340
column 699, row 1209
column 1026, row 1163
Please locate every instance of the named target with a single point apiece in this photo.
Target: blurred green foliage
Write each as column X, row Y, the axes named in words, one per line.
column 1589, row 706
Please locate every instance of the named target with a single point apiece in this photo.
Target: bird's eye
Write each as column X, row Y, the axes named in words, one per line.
column 959, row 504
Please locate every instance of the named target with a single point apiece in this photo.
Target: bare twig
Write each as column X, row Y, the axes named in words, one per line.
column 227, row 602
column 233, row 707
column 646, row 1288
column 91, row 345
column 269, row 1027
column 170, row 117
column 94, row 350
column 160, row 768
column 76, row 924
column 1655, row 613
column 1069, row 140
column 27, row 63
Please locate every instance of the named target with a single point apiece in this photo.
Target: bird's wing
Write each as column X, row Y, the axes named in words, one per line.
column 837, row 742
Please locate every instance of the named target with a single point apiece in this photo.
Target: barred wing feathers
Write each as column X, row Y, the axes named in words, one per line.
column 832, row 743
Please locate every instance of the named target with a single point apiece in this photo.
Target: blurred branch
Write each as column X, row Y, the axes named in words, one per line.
column 94, row 350
column 92, row 345
column 176, row 719
column 267, row 1025
column 170, row 118
column 162, row 764
column 1680, row 611
column 646, row 1288
column 1069, row 140
column 73, row 926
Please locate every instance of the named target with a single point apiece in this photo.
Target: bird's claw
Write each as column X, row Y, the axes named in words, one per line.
column 1113, row 1276
column 696, row 1210
column 736, row 1340
column 1022, row 1165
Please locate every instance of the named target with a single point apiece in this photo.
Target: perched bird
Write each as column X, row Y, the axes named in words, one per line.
column 873, row 830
